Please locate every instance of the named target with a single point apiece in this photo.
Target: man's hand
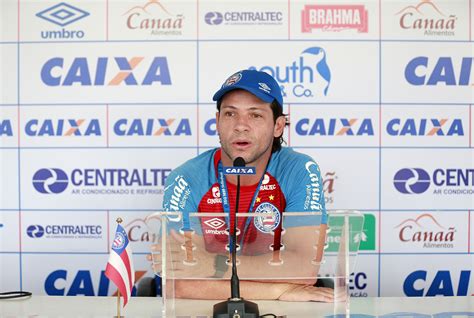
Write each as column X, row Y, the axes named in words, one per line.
column 308, row 293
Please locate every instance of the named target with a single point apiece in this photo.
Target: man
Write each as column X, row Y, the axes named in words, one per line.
column 250, row 123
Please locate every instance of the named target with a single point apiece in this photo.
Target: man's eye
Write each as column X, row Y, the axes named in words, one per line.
column 256, row 116
column 228, row 114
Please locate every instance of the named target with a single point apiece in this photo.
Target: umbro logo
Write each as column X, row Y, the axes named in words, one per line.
column 215, row 223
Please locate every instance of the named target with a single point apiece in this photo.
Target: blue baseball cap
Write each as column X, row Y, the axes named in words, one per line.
column 258, row 83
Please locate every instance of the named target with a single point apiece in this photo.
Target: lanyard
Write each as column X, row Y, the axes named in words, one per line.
column 225, row 199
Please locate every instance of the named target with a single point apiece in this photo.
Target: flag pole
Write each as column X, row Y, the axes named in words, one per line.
column 118, row 304
column 119, row 220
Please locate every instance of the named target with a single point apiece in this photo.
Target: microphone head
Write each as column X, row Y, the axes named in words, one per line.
column 239, row 162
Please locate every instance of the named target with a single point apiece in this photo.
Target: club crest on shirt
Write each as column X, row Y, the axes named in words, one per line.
column 270, row 218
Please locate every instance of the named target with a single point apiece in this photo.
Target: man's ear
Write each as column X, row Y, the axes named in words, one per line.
column 279, row 126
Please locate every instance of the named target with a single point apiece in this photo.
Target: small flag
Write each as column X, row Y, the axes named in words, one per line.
column 120, row 265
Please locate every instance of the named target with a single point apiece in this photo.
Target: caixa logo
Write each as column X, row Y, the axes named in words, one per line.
column 101, row 181
column 425, row 127
column 6, row 128
column 63, row 127
column 62, row 14
column 105, row 71
column 422, row 70
column 335, row 127
column 445, row 181
column 307, row 77
column 152, row 127
column 63, row 283
column 444, row 283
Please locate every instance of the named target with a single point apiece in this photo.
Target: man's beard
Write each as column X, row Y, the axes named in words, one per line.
column 248, row 160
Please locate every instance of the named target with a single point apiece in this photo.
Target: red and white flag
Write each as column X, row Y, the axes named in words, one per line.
column 120, row 265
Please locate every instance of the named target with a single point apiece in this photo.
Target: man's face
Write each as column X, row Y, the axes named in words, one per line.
column 246, row 127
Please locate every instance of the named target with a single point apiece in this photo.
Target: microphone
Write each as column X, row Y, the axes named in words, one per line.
column 235, row 306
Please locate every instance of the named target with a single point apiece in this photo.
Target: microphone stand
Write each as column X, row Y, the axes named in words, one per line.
column 235, row 306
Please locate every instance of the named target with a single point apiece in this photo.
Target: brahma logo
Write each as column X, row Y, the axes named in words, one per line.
column 425, row 127
column 427, row 18
column 154, row 18
column 411, row 181
column 426, row 231
column 362, row 239
column 6, row 128
column 244, row 18
column 60, row 72
column 152, row 127
column 451, row 181
column 50, row 181
column 333, row 17
column 63, row 127
column 335, row 127
column 35, row 231
column 62, row 15
column 307, row 77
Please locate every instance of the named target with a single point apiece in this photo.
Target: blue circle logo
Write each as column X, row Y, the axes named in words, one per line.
column 35, row 231
column 270, row 218
column 49, row 181
column 213, row 18
column 411, row 181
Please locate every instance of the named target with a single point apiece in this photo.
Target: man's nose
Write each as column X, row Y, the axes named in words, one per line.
column 242, row 123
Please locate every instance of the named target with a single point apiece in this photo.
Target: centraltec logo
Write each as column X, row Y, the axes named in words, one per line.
column 50, row 181
column 101, row 181
column 334, row 17
column 307, row 77
column 62, row 15
column 426, row 231
column 63, row 127
column 335, row 127
column 6, row 128
column 154, row 18
column 35, row 231
column 443, row 71
column 152, row 127
column 427, row 18
column 445, row 181
column 425, row 127
column 244, row 18
column 56, row 231
column 105, row 71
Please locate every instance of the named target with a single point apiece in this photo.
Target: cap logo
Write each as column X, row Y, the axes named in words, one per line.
column 232, row 79
column 264, row 87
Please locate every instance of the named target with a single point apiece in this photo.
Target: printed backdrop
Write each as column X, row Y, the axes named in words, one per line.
column 100, row 100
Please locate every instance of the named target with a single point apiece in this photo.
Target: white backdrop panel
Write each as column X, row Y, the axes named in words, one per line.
column 63, row 126
column 425, row 232
column 334, row 126
column 9, row 272
column 9, row 180
column 426, row 73
column 64, row 231
column 108, row 72
column 425, row 126
column 346, row 20
column 239, row 19
column 8, row 126
column 435, row 186
column 406, row 19
column 9, row 22
column 9, row 236
column 9, row 74
column 353, row 178
column 295, row 67
column 134, row 179
column 424, row 275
